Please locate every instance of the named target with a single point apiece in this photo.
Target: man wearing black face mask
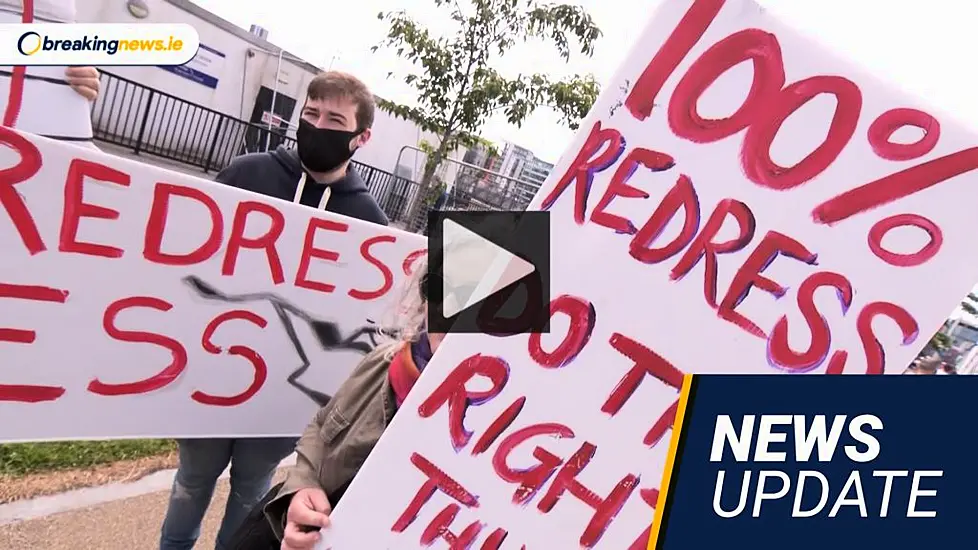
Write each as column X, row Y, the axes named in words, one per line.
column 335, row 121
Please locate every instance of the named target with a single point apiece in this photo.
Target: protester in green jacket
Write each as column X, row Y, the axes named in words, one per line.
column 336, row 443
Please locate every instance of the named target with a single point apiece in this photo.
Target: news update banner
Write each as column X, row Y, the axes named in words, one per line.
column 852, row 462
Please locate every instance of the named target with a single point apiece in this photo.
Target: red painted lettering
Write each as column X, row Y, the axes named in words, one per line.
column 582, row 170
column 156, row 226
column 157, row 381
column 756, row 154
column 530, row 479
column 885, row 125
column 439, row 529
column 928, row 251
column 266, row 241
column 779, row 351
column 605, row 509
column 498, row 426
column 20, row 392
column 646, row 363
column 749, row 276
column 682, row 195
column 309, row 251
column 875, row 355
column 762, row 49
column 687, row 33
column 582, row 318
column 704, row 246
column 76, row 208
column 384, row 270
column 17, row 78
column 28, row 165
column 895, row 186
column 495, row 540
column 408, row 265
column 452, row 391
column 437, row 481
column 618, row 187
column 252, row 356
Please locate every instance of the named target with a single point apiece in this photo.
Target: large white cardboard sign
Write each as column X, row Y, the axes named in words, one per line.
column 738, row 201
column 139, row 302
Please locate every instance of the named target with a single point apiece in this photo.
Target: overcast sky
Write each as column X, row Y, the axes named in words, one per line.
column 924, row 47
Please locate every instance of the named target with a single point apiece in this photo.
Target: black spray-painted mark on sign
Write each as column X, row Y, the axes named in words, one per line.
column 328, row 333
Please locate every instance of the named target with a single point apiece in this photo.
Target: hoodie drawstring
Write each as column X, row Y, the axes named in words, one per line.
column 302, row 186
column 326, row 194
column 299, row 188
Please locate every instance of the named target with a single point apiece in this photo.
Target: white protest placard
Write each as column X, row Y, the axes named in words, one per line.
column 139, row 302
column 737, row 201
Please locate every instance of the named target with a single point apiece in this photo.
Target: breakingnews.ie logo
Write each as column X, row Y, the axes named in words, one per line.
column 97, row 44
column 31, row 42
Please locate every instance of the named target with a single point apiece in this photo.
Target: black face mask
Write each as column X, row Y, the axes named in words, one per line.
column 323, row 149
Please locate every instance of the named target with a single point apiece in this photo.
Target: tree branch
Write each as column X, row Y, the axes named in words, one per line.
column 457, row 88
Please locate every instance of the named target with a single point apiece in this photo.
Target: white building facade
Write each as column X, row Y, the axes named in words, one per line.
column 528, row 171
column 236, row 73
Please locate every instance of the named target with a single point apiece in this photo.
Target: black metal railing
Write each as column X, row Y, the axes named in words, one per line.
column 468, row 193
column 146, row 120
column 391, row 192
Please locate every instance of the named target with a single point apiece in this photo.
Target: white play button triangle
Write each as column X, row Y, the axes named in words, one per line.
column 467, row 259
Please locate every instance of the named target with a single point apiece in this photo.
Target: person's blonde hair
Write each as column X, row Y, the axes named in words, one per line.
column 405, row 321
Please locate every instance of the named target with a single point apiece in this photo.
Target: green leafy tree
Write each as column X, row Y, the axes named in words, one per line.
column 968, row 304
column 457, row 87
column 940, row 341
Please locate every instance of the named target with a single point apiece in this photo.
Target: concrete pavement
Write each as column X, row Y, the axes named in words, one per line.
column 130, row 524
column 113, row 517
column 153, row 160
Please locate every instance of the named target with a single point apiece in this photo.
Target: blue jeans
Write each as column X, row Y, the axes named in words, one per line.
column 253, row 463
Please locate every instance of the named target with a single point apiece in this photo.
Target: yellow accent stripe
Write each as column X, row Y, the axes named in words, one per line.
column 677, row 428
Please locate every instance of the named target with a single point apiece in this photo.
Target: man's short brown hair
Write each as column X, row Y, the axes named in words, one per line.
column 336, row 84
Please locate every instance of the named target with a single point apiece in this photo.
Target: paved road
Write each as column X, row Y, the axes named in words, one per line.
column 130, row 524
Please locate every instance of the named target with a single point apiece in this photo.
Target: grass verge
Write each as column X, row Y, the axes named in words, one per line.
column 22, row 459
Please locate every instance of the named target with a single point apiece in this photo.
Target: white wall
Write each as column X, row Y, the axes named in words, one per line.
column 239, row 79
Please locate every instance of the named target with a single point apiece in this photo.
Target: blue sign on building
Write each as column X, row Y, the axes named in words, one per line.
column 204, row 68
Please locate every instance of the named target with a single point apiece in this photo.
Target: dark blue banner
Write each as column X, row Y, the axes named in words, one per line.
column 804, row 462
column 204, row 68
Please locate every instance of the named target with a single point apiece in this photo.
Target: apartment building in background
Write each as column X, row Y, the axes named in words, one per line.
column 532, row 176
column 515, row 172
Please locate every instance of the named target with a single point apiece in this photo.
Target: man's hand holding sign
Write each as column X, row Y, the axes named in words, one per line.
column 84, row 80
column 308, row 513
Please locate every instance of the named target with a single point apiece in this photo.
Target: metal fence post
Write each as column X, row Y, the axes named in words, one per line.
column 142, row 125
column 210, row 153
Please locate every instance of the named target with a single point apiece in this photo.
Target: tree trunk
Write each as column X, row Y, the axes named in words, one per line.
column 422, row 201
